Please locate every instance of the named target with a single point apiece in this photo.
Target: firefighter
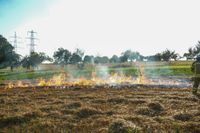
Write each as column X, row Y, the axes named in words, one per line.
column 196, row 70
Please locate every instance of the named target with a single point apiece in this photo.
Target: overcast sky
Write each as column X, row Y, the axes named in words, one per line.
column 103, row 27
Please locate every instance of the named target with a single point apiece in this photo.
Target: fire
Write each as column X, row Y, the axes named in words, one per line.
column 83, row 81
column 141, row 77
column 56, row 80
column 61, row 79
column 64, row 79
column 15, row 84
column 118, row 79
column 10, row 85
column 42, row 82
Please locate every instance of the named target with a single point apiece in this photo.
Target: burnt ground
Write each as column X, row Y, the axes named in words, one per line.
column 99, row 110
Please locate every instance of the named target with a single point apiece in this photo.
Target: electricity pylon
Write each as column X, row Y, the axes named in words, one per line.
column 32, row 39
column 15, row 41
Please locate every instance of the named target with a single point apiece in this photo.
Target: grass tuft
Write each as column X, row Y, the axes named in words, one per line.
column 122, row 126
column 182, row 117
column 152, row 110
column 117, row 100
column 16, row 120
column 74, row 105
column 157, row 107
column 87, row 112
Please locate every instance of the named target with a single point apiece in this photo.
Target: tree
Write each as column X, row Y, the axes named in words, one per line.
column 13, row 60
column 156, row 57
column 62, row 56
column 75, row 59
column 135, row 56
column 34, row 59
column 129, row 55
column 167, row 55
column 97, row 60
column 175, row 56
column 43, row 57
column 125, row 56
column 88, row 59
column 197, row 48
column 190, row 54
column 8, row 57
column 79, row 52
column 104, row 60
column 193, row 51
column 101, row 60
column 26, row 62
column 114, row 59
column 123, row 59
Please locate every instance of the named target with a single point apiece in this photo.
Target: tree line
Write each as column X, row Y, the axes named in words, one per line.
column 9, row 58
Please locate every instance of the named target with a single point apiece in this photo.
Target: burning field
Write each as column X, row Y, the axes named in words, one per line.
column 101, row 78
column 112, row 104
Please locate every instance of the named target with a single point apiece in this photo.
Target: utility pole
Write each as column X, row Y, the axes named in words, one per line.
column 15, row 41
column 32, row 39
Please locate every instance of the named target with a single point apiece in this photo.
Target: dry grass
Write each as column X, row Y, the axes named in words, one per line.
column 99, row 110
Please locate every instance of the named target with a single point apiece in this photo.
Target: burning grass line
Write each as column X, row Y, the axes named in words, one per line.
column 103, row 86
column 114, row 80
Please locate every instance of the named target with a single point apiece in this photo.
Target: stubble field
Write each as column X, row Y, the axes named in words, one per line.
column 99, row 110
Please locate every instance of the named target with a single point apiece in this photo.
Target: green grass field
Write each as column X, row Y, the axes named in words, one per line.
column 175, row 68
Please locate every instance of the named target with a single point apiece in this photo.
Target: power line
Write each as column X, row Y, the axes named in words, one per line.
column 32, row 40
column 15, row 41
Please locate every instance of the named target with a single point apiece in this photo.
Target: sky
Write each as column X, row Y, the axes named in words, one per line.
column 103, row 27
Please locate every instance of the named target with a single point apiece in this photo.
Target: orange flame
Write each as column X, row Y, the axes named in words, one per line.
column 63, row 80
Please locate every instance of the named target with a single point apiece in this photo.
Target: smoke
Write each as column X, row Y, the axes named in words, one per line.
column 102, row 71
column 158, row 73
column 154, row 69
column 165, row 73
